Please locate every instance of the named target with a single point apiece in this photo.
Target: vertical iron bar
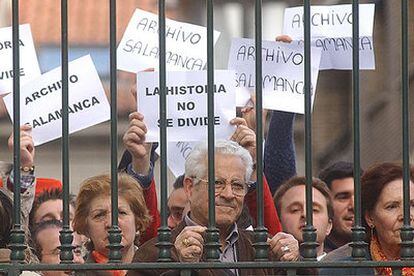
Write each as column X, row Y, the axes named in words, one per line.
column 17, row 237
column 309, row 232
column 66, row 238
column 407, row 233
column 212, row 233
column 114, row 234
column 261, row 246
column 358, row 231
column 164, row 233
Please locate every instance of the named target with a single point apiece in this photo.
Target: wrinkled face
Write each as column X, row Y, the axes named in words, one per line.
column 228, row 206
column 99, row 222
column 387, row 215
column 293, row 213
column 48, row 239
column 177, row 202
column 343, row 205
column 52, row 210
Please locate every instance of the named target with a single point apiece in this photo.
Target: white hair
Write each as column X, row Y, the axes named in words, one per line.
column 195, row 165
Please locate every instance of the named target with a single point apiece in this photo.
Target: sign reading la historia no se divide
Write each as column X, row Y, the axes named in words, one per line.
column 186, row 44
column 187, row 118
column 41, row 101
column 29, row 66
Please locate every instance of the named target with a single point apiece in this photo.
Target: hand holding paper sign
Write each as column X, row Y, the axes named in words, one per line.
column 244, row 136
column 134, row 141
column 284, row 38
column 249, row 113
column 27, row 149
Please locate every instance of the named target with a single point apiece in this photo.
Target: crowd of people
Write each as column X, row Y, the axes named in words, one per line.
column 235, row 204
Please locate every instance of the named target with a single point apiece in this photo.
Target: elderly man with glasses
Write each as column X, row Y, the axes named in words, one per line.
column 233, row 168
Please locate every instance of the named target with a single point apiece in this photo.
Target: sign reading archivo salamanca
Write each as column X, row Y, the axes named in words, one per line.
column 41, row 101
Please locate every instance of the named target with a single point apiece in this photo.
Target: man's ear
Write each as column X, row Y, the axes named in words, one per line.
column 188, row 185
column 329, row 228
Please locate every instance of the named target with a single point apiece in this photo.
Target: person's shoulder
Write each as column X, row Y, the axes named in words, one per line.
column 147, row 252
column 342, row 253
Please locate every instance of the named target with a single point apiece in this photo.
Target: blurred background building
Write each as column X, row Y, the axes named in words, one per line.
column 332, row 115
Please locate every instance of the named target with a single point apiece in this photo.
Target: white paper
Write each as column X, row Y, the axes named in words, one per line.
column 186, row 44
column 329, row 21
column 41, row 101
column 187, row 104
column 332, row 33
column 29, row 66
column 177, row 153
column 282, row 73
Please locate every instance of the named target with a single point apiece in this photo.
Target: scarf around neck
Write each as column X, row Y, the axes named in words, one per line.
column 378, row 255
column 102, row 259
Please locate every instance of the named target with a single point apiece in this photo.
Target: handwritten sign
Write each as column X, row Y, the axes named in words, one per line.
column 186, row 44
column 187, row 104
column 331, row 30
column 282, row 77
column 41, row 101
column 329, row 21
column 177, row 153
column 29, row 66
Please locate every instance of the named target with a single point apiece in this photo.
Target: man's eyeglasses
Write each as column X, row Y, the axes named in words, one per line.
column 238, row 187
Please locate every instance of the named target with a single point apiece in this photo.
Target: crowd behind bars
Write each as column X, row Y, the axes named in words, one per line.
column 235, row 204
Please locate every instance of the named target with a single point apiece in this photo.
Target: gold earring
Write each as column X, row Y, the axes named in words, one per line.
column 372, row 227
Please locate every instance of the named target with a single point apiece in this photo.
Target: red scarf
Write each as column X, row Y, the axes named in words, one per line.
column 378, row 255
column 102, row 259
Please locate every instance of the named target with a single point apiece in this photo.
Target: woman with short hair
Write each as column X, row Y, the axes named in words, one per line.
column 93, row 216
column 382, row 210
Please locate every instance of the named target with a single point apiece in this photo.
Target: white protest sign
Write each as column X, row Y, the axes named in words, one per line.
column 41, row 101
column 329, row 21
column 331, row 30
column 282, row 73
column 177, row 153
column 186, row 44
column 29, row 66
column 187, row 104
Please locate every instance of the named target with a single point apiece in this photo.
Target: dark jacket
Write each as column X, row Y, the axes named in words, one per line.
column 344, row 253
column 245, row 252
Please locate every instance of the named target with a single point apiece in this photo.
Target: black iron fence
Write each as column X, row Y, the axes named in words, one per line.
column 17, row 240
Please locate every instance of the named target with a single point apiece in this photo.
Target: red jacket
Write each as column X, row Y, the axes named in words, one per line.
column 150, row 195
column 271, row 219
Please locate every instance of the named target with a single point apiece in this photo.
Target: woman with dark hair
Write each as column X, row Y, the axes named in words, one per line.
column 382, row 210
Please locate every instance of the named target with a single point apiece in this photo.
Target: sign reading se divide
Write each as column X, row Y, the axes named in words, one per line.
column 187, row 104
column 186, row 44
column 29, row 66
column 41, row 101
